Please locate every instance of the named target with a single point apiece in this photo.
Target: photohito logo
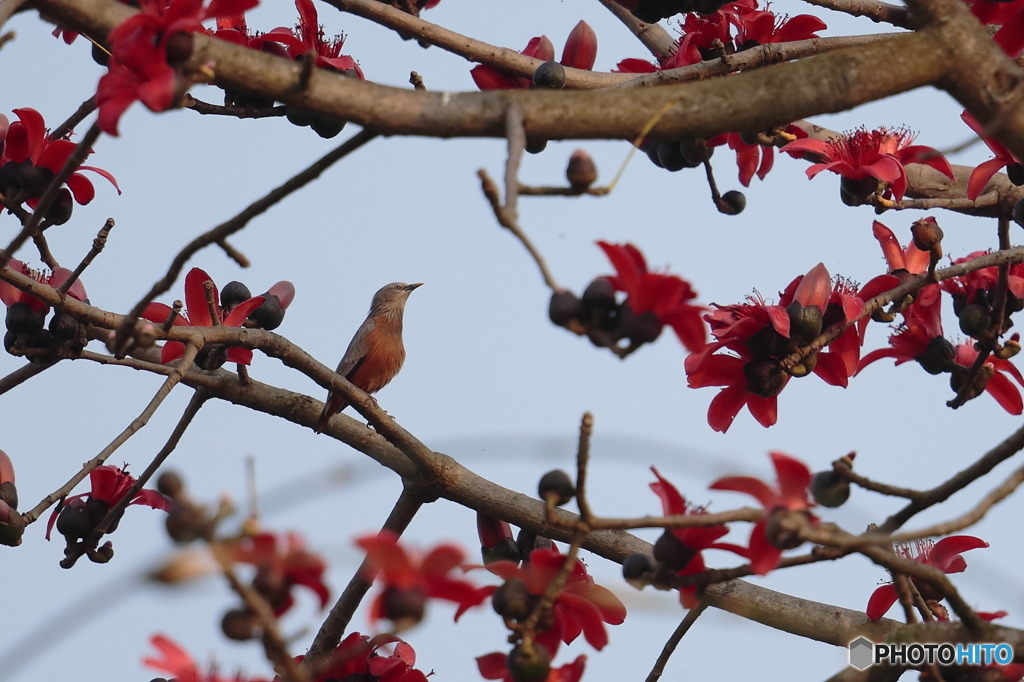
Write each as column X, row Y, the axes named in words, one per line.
column 865, row 653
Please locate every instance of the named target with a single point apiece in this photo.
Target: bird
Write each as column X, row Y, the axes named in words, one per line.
column 376, row 352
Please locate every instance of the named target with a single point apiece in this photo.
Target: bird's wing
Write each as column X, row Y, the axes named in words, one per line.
column 356, row 351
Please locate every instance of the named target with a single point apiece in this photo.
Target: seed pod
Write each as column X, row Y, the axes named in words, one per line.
column 512, row 600
column 556, row 483
column 672, row 552
column 549, row 75
column 637, row 569
column 581, row 171
column 830, row 489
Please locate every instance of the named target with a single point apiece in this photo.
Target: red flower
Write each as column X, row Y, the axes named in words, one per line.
column 172, row 658
column 879, row 154
column 943, row 555
column 919, row 338
column 360, row 657
column 761, row 26
column 979, row 284
column 663, row 295
column 582, row 606
column 10, row 294
column 984, row 172
column 790, row 495
column 142, row 48
column 909, row 258
column 750, row 158
column 197, row 314
column 495, row 667
column 998, row 385
column 757, row 337
column 282, row 562
column 695, row 538
column 410, row 580
column 30, row 159
column 309, row 36
column 78, row 514
column 580, row 53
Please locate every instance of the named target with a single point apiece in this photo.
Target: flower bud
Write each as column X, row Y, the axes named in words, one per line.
column 529, row 666
column 637, row 570
column 240, row 625
column 12, row 525
column 805, row 367
column 581, row 171
column 1015, row 172
column 938, row 357
column 830, row 489
column 928, row 236
column 549, row 75
column 695, row 151
column 733, row 202
column 178, row 47
column 672, row 552
column 640, row 329
column 975, row 320
column 564, row 308
column 783, row 527
column 764, row 378
column 512, row 600
column 232, row 294
column 804, row 322
column 404, row 606
column 856, row 192
column 558, row 485
column 269, row 315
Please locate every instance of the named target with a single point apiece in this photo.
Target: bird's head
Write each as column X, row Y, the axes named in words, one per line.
column 392, row 297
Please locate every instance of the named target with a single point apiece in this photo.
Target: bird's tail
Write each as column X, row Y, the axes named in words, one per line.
column 334, row 405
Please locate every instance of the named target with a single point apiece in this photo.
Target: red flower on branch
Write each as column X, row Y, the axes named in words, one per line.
column 662, row 295
column 983, row 172
column 31, row 158
column 919, row 338
column 359, row 657
column 198, row 314
column 10, row 295
column 282, row 562
column 78, row 515
column 694, row 539
column 582, row 606
column 761, row 26
column 172, row 658
column 309, row 36
column 943, row 555
column 781, row 502
column 870, row 159
column 145, row 49
column 909, row 258
column 495, row 667
column 997, row 385
column 580, row 52
column 410, row 580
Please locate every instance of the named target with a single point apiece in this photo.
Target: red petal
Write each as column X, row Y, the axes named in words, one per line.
column 152, row 498
column 104, row 173
column 540, row 48
column 442, row 559
column 881, row 601
column 195, row 298
column 671, row 501
column 241, row 312
column 1005, row 393
column 35, row 133
column 765, row 494
column 633, row 65
column 492, row 666
column 387, row 556
column 172, row 351
column 815, row 288
column 580, row 47
column 81, row 188
column 285, row 292
column 947, row 550
column 219, row 8
column 981, row 175
column 794, row 477
column 725, row 406
column 489, row 78
column 764, row 556
column 764, row 410
column 928, row 156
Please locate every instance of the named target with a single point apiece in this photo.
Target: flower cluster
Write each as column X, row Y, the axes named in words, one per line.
column 869, row 162
column 64, row 336
column 206, row 306
column 653, row 300
column 580, row 52
column 12, row 525
column 145, row 50
column 172, row 658
column 753, row 339
column 29, row 159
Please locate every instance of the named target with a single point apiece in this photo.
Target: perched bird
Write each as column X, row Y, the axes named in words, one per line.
column 375, row 353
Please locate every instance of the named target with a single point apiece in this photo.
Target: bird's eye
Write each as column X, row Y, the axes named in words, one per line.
column 398, row 288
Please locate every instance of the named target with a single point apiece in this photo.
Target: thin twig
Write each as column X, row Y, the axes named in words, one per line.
column 516, row 136
column 84, row 109
column 528, row 190
column 233, row 253
column 238, row 222
column 333, row 627
column 128, row 432
column 582, row 459
column 21, row 375
column 208, row 109
column 655, row 38
column 97, row 247
column 673, row 641
column 490, row 191
column 897, row 15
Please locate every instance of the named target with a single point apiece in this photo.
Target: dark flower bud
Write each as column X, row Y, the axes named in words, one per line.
column 74, row 522
column 299, row 117
column 805, row 366
column 178, row 48
column 767, row 343
column 404, row 606
column 33, row 180
column 637, row 570
column 170, row 484
column 102, row 554
column 185, row 522
column 556, row 483
column 549, row 75
column 41, row 348
column 61, row 209
column 100, row 55
column 695, row 151
column 527, row 541
column 232, row 294
column 805, row 322
column 856, row 192
column 64, row 325
column 938, row 357
column 240, row 625
column 640, row 329
column 9, row 494
column 975, row 320
column 581, row 171
column 529, row 666
column 512, row 600
column 12, row 525
column 11, row 343
column 536, row 146
column 564, row 308
column 1018, row 213
column 764, row 378
column 927, row 235
column 672, row 552
column 22, row 319
column 959, row 376
column 651, row 150
column 598, row 298
column 670, row 158
column 733, row 202
column 1016, row 173
column 830, row 489
column 269, row 315
column 212, row 356
column 783, row 527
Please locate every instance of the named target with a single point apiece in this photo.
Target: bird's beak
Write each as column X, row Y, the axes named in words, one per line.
column 410, row 287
